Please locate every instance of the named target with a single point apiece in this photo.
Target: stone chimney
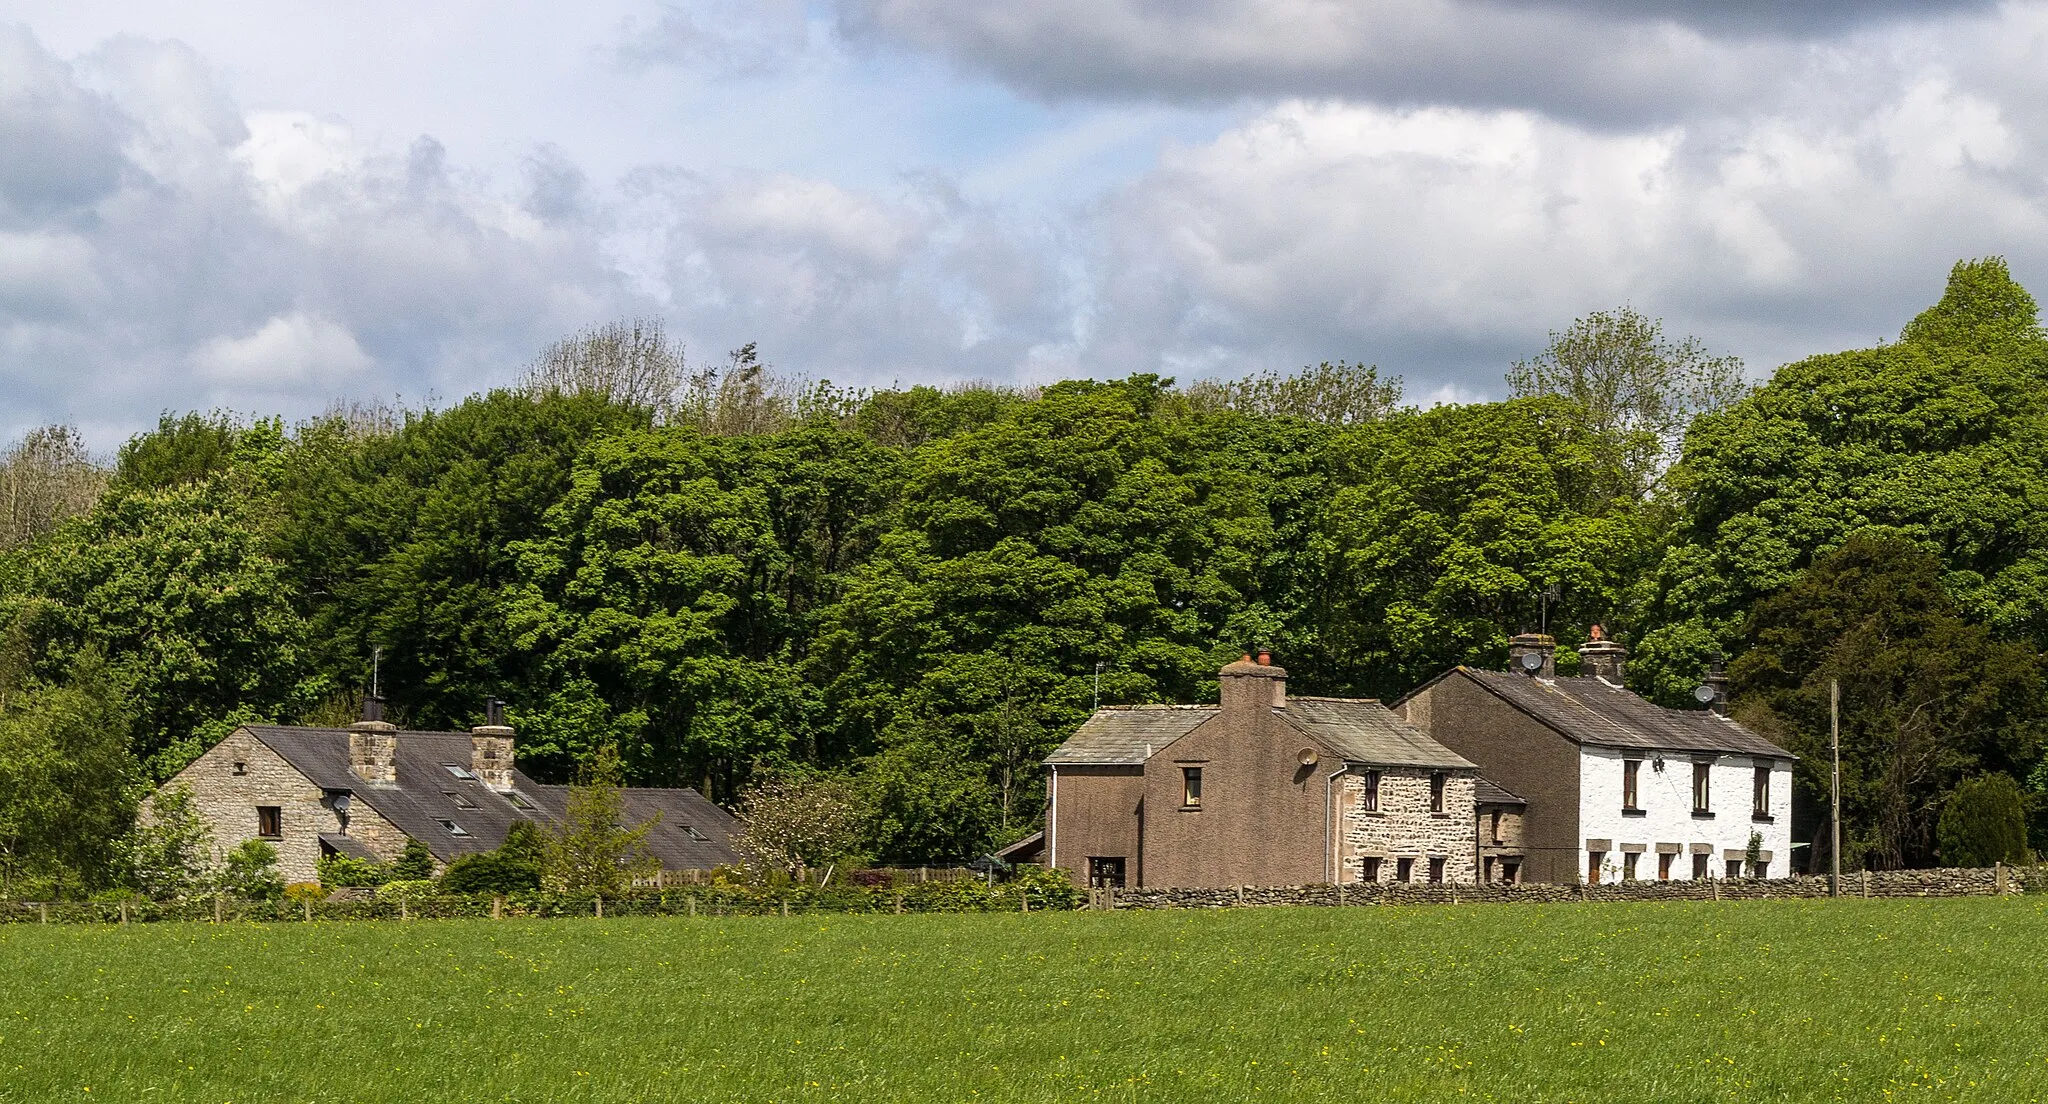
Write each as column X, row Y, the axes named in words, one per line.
column 1601, row 657
column 1714, row 688
column 1533, row 644
column 373, row 744
column 490, row 748
column 1249, row 685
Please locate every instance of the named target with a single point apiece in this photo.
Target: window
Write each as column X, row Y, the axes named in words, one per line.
column 1628, row 865
column 1436, row 870
column 1510, row 871
column 1436, row 792
column 519, row 801
column 1762, row 805
column 691, row 831
column 241, row 769
column 1593, row 861
column 1106, row 872
column 1630, row 768
column 270, row 821
column 459, row 772
column 1369, row 870
column 1404, row 870
column 1699, row 868
column 1369, row 800
column 1702, row 788
column 1486, row 869
column 1664, row 866
column 1191, row 787
column 452, row 828
column 1496, row 826
column 1735, row 868
column 461, row 800
column 1761, row 868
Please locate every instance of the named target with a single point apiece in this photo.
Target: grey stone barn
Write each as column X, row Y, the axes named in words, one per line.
column 363, row 790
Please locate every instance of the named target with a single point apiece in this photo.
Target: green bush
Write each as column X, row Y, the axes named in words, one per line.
column 1984, row 821
column 342, row 871
column 406, row 889
column 416, row 863
column 250, row 872
column 490, row 872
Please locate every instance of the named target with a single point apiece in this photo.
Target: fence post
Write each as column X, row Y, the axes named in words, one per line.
column 691, row 902
column 899, row 903
column 306, row 909
column 403, row 913
column 600, row 906
column 45, row 907
column 216, row 908
column 497, row 906
column 785, row 906
column 1717, row 888
column 1998, row 878
column 124, row 912
column 1866, row 883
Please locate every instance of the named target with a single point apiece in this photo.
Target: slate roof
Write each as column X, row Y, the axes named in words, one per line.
column 1358, row 730
column 1125, row 735
column 1593, row 711
column 455, row 815
column 1490, row 792
column 1364, row 731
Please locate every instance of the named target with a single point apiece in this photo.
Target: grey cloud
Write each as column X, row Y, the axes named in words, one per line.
column 728, row 38
column 61, row 142
column 1603, row 61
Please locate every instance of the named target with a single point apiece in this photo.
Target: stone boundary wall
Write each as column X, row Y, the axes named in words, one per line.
column 1888, row 883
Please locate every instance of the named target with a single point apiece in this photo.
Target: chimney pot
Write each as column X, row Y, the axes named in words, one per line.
column 1536, row 644
column 490, row 748
column 1602, row 657
column 373, row 744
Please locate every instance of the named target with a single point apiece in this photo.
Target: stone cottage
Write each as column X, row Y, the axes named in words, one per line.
column 1617, row 788
column 1266, row 789
column 365, row 789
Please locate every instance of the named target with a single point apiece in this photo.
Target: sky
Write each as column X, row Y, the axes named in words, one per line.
column 272, row 207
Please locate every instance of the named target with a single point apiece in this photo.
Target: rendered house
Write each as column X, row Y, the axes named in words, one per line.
column 363, row 790
column 1617, row 788
column 1264, row 789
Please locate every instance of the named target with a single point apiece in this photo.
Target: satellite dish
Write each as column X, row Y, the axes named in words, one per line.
column 1307, row 756
column 341, row 802
column 1705, row 694
column 1531, row 662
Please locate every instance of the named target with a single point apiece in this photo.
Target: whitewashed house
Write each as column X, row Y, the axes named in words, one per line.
column 1617, row 788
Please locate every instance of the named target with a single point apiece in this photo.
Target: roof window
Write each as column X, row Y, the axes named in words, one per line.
column 693, row 833
column 461, row 800
column 519, row 801
column 459, row 772
column 454, row 829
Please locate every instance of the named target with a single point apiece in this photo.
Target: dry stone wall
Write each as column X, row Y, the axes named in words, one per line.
column 1889, row 883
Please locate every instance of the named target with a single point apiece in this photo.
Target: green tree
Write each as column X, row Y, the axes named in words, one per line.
column 1940, row 439
column 1639, row 389
column 1333, row 394
column 1984, row 821
column 415, row 863
column 1926, row 696
column 66, row 779
column 164, row 855
column 595, row 850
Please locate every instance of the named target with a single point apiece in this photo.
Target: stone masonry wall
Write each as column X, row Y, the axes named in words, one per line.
column 227, row 802
column 1403, row 827
column 1889, row 883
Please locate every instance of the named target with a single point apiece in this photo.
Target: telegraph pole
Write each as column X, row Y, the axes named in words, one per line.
column 1835, row 789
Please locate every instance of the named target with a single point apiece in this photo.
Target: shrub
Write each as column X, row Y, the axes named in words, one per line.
column 1984, row 821
column 416, row 863
column 250, row 872
column 340, row 871
column 305, row 891
column 406, row 889
column 491, row 872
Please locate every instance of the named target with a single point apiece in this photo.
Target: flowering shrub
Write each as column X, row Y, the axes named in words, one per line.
column 305, row 891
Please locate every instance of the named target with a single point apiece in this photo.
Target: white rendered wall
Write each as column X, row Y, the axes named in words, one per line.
column 1665, row 798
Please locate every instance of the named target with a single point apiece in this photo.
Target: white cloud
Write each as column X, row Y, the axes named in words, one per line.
column 287, row 351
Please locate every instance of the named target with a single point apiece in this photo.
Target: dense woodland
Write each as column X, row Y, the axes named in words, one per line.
column 919, row 592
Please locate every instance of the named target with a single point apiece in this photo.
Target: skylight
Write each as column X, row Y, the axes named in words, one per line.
column 454, row 829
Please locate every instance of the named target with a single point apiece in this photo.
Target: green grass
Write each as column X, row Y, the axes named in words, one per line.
column 1798, row 1000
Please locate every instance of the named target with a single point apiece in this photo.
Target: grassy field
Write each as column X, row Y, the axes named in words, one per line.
column 1797, row 1000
